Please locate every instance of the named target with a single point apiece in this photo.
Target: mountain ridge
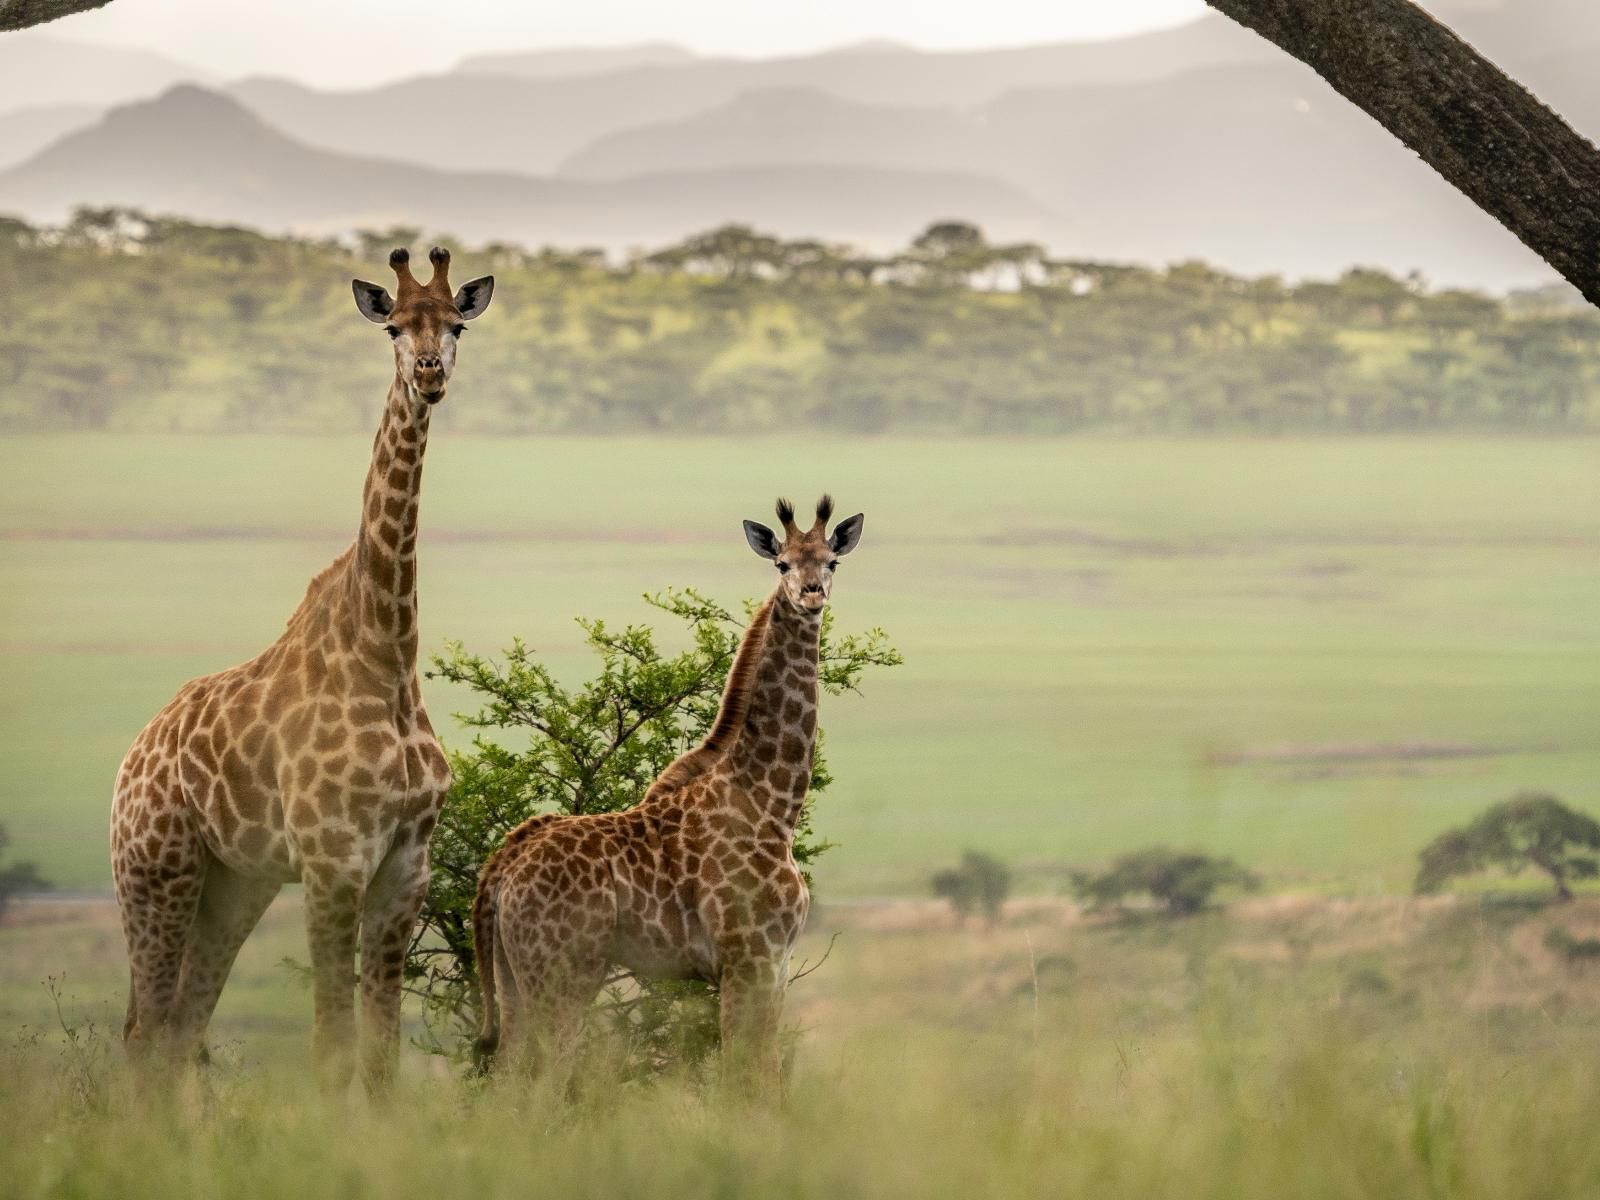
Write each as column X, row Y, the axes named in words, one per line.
column 205, row 155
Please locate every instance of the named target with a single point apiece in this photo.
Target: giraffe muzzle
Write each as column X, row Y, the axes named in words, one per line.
column 429, row 379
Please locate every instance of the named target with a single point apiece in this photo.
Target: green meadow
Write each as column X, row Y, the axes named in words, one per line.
column 1311, row 654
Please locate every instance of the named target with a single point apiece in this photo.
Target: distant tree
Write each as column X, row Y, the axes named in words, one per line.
column 17, row 877
column 1017, row 265
column 547, row 747
column 17, row 232
column 947, row 252
column 560, row 262
column 112, row 229
column 733, row 251
column 1372, row 295
column 945, row 238
column 1182, row 882
column 979, row 885
column 376, row 243
column 1539, row 372
column 809, row 258
column 1532, row 829
column 1447, row 315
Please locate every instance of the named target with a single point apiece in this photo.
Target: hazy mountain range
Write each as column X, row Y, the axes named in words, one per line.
column 203, row 154
column 1200, row 141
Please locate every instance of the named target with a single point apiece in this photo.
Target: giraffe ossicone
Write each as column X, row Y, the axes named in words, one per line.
column 315, row 761
column 696, row 881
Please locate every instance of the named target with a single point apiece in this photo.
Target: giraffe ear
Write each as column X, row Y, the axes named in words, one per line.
column 846, row 534
column 373, row 301
column 473, row 297
column 762, row 540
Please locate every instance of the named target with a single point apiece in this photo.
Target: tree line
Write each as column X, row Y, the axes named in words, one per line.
column 120, row 320
column 1530, row 831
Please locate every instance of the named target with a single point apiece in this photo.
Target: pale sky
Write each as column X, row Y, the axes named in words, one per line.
column 357, row 42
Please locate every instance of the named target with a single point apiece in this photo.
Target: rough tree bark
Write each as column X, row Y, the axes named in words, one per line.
column 1484, row 132
column 19, row 14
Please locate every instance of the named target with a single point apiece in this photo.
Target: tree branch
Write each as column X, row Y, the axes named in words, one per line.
column 645, row 715
column 1484, row 132
column 20, row 14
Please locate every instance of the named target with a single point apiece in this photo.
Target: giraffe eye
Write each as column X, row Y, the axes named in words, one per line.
column 457, row 330
column 783, row 568
column 392, row 330
column 833, row 564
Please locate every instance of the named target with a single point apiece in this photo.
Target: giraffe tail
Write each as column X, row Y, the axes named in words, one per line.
column 483, row 916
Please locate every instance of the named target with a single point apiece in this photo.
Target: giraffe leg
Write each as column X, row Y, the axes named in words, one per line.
column 552, row 993
column 548, row 1035
column 158, row 881
column 512, row 1006
column 230, row 907
column 333, row 915
column 752, row 1007
column 388, row 919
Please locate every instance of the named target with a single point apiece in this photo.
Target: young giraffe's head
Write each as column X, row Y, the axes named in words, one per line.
column 423, row 320
column 806, row 558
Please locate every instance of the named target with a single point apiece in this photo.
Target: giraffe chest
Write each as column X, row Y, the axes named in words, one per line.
column 328, row 777
column 750, row 899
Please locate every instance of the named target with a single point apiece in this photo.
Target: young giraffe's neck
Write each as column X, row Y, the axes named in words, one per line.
column 771, row 758
column 383, row 569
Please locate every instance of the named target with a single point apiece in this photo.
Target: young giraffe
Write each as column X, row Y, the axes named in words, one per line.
column 697, row 881
column 314, row 761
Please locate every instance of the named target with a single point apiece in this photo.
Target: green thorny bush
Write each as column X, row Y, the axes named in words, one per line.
column 544, row 747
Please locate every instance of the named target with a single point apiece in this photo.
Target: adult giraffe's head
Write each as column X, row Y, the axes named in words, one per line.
column 424, row 320
column 806, row 559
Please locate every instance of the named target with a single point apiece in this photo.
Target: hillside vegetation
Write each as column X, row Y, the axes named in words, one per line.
column 132, row 322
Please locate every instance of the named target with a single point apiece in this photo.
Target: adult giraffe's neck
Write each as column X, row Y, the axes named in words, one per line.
column 771, row 758
column 383, row 569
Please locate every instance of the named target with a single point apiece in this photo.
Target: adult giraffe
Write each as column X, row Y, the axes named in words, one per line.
column 696, row 881
column 314, row 761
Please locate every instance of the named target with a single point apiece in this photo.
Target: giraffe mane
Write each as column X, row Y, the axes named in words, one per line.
column 735, row 707
column 321, row 583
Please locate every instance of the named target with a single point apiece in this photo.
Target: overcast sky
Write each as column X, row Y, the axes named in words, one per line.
column 354, row 42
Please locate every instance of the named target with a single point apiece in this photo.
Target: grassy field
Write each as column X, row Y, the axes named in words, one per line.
column 1306, row 1048
column 1108, row 643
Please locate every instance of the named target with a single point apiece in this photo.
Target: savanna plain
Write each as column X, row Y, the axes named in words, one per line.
column 1311, row 655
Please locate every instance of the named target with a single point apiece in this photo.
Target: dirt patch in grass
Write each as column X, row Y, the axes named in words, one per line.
column 444, row 536
column 1332, row 754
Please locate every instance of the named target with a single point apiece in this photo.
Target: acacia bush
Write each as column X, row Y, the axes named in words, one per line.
column 545, row 747
column 1530, row 830
column 979, row 885
column 17, row 877
column 1181, row 882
